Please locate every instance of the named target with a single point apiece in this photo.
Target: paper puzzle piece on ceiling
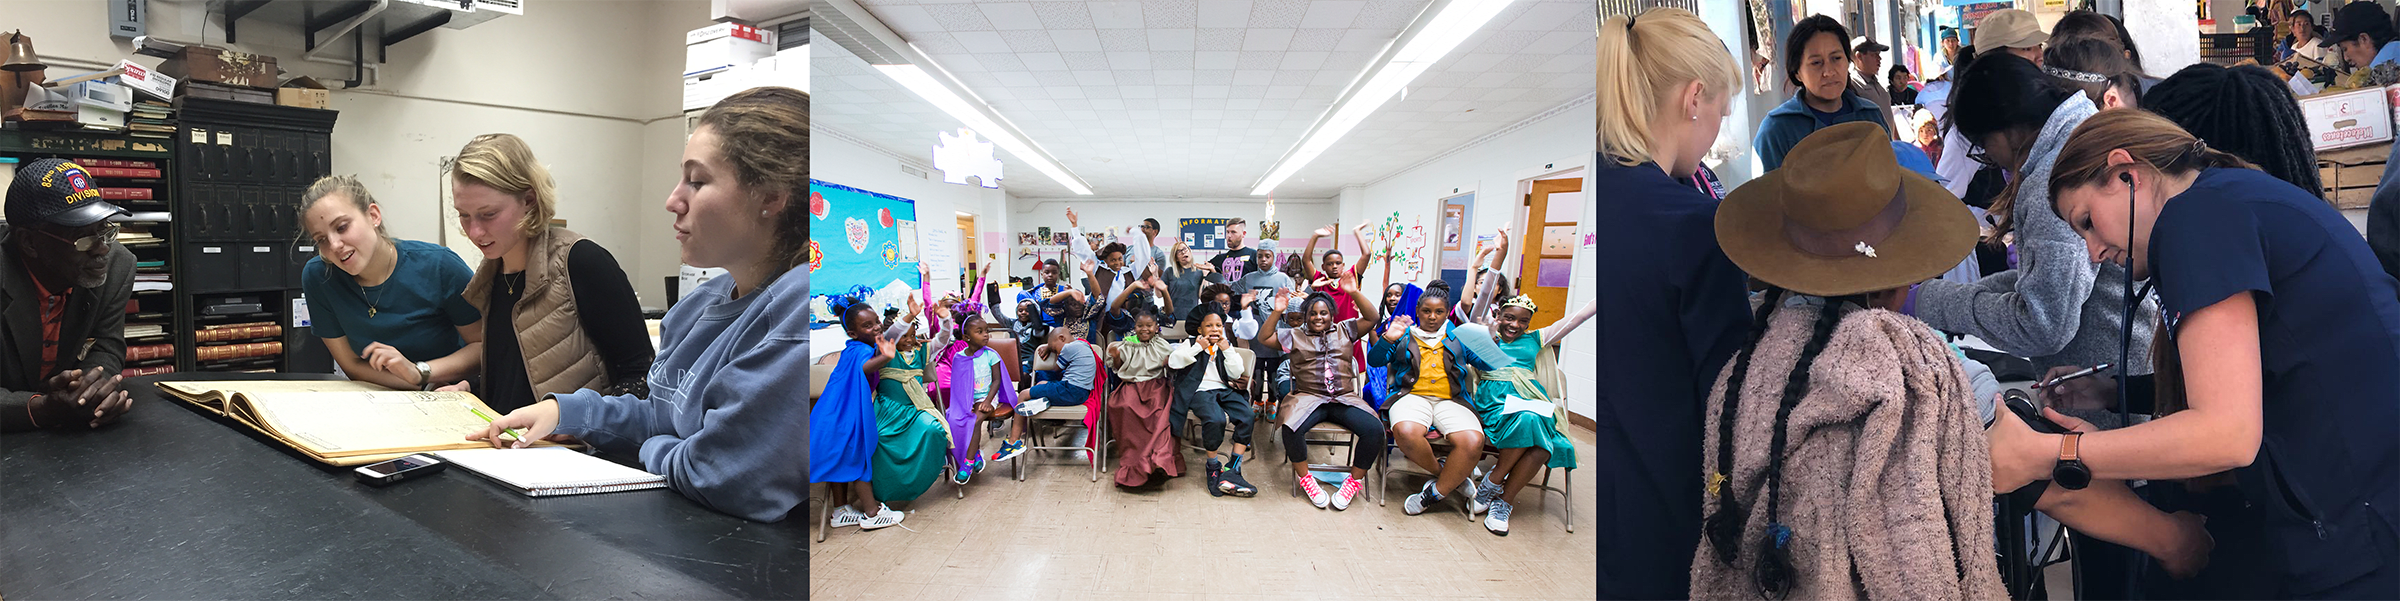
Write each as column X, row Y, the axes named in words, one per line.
column 961, row 156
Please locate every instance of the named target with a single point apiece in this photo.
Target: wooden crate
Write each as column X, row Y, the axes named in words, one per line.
column 2350, row 174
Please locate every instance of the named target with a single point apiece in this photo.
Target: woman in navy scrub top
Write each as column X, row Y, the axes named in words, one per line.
column 2289, row 333
column 1672, row 310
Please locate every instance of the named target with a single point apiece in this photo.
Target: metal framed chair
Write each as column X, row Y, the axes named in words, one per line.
column 1191, row 427
column 1037, row 425
column 1442, row 448
column 1342, row 438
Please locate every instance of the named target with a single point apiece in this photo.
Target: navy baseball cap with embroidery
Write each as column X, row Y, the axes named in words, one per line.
column 56, row 192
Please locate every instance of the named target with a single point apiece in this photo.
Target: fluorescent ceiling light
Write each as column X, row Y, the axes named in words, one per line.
column 1435, row 37
column 917, row 80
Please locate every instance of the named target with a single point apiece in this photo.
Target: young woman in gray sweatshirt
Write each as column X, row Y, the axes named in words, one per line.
column 2056, row 307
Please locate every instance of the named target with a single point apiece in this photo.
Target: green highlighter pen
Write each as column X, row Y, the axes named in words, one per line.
column 488, row 419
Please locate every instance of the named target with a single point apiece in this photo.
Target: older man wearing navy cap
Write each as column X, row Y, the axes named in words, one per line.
column 64, row 282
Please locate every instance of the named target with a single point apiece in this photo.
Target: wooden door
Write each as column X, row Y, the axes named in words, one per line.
column 1547, row 246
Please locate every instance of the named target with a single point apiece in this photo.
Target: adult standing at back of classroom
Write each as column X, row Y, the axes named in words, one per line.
column 1816, row 61
column 1669, row 320
column 559, row 314
column 1237, row 260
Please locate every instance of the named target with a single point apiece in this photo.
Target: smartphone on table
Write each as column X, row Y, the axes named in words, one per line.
column 405, row 468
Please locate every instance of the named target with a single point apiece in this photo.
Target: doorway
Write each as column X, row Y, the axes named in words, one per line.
column 968, row 257
column 1546, row 245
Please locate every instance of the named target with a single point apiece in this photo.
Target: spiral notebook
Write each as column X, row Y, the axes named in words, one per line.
column 551, row 471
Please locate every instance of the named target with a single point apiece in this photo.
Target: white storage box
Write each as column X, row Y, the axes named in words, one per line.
column 724, row 45
column 2349, row 118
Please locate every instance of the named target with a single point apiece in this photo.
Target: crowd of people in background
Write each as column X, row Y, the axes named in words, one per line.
column 1184, row 354
column 1801, row 381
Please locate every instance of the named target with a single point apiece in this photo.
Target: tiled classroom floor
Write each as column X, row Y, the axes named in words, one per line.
column 1058, row 535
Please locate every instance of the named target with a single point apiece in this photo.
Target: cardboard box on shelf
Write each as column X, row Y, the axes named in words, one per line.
column 303, row 92
column 724, row 45
column 222, row 66
column 147, row 81
column 2349, row 118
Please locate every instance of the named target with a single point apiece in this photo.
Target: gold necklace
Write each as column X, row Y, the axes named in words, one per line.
column 362, row 295
column 362, row 289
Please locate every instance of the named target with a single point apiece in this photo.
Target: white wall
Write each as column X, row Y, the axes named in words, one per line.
column 2166, row 31
column 597, row 104
column 1493, row 169
column 1299, row 215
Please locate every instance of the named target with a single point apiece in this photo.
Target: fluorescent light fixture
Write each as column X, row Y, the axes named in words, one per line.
column 917, row 80
column 1434, row 36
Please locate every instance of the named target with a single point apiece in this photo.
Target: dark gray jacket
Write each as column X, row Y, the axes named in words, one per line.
column 91, row 334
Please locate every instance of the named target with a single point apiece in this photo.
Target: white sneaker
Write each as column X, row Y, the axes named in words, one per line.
column 884, row 516
column 845, row 516
column 1497, row 520
column 1316, row 494
column 1485, row 494
column 1416, row 503
column 1351, row 486
column 1031, row 407
column 1475, row 504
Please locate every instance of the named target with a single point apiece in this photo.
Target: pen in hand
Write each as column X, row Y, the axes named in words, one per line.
column 488, row 419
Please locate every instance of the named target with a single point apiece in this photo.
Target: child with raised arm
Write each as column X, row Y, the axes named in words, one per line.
column 1522, row 406
column 842, row 423
column 1324, row 388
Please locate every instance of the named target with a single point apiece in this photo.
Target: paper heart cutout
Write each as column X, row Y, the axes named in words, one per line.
column 857, row 230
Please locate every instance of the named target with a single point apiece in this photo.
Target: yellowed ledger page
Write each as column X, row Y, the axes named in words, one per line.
column 340, row 424
column 212, row 394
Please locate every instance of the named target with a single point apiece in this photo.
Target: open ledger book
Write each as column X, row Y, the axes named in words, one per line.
column 343, row 422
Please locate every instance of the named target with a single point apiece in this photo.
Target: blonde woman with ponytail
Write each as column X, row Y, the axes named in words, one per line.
column 1674, row 309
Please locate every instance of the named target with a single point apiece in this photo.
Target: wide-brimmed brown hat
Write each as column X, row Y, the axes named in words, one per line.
column 1842, row 217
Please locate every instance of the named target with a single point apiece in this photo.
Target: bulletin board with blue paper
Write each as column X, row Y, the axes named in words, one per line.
column 860, row 238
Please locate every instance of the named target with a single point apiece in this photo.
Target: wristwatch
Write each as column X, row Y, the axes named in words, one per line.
column 2070, row 473
column 424, row 376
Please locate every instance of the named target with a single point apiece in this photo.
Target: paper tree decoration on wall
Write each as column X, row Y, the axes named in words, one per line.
column 962, row 155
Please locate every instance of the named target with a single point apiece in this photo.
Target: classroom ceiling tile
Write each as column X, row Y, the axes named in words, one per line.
column 1199, row 98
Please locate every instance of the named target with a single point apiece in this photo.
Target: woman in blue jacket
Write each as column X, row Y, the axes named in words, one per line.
column 1816, row 60
column 722, row 421
column 2286, row 331
column 1674, row 309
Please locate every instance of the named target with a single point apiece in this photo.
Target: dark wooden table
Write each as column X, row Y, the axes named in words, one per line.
column 171, row 502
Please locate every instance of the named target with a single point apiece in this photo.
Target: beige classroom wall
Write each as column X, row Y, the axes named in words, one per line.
column 594, row 86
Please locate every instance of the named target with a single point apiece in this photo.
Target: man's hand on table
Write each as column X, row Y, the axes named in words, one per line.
column 87, row 398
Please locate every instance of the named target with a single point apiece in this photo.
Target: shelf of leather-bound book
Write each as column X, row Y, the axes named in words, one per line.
column 259, row 364
column 210, row 319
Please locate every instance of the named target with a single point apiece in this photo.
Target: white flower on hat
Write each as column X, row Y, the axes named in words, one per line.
column 1863, row 249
